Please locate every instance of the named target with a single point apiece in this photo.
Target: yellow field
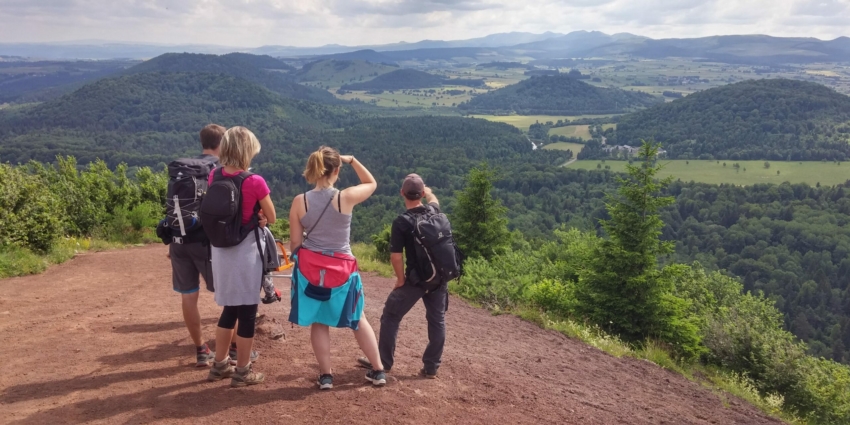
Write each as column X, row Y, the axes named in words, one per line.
column 810, row 172
column 823, row 73
column 582, row 131
column 524, row 121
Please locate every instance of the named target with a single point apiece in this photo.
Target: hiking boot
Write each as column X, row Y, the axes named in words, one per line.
column 204, row 356
column 426, row 374
column 219, row 371
column 326, row 381
column 364, row 362
column 254, row 356
column 378, row 378
column 272, row 297
column 244, row 376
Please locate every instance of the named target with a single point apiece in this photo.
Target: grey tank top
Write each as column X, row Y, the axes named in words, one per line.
column 333, row 231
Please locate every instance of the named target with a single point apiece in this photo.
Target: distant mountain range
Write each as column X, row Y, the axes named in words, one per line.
column 755, row 49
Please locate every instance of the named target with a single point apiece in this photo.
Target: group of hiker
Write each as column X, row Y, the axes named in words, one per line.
column 216, row 227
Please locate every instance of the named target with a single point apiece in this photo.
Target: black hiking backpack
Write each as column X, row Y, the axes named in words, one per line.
column 221, row 210
column 187, row 185
column 437, row 255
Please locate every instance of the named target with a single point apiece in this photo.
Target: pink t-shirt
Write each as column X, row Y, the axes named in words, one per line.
column 254, row 188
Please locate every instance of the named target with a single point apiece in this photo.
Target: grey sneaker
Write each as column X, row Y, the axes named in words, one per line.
column 219, row 371
column 326, row 381
column 244, row 376
column 204, row 356
column 378, row 378
column 254, row 356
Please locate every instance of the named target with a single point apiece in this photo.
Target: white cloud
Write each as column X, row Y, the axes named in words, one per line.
column 353, row 22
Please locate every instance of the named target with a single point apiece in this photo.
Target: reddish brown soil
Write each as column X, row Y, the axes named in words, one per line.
column 101, row 339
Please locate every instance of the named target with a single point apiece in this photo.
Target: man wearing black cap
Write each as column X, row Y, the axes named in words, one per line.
column 409, row 288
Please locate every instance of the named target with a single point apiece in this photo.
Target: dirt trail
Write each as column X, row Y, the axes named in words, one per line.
column 100, row 339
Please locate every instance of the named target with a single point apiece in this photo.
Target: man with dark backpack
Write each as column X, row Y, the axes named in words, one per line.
column 423, row 233
column 183, row 232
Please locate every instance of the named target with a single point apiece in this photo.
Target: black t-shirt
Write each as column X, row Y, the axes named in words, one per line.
column 401, row 234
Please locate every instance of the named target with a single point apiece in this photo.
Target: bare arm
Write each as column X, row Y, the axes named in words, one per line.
column 398, row 266
column 430, row 197
column 357, row 194
column 267, row 207
column 296, row 231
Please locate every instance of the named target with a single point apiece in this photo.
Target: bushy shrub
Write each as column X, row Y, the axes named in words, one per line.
column 553, row 296
column 42, row 202
column 30, row 212
column 826, row 391
column 381, row 241
column 280, row 229
column 502, row 282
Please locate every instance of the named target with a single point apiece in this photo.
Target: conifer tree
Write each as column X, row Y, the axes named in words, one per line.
column 479, row 222
column 622, row 289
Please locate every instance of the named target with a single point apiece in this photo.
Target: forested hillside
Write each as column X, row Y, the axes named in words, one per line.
column 790, row 241
column 22, row 82
column 145, row 118
column 263, row 70
column 558, row 95
column 773, row 119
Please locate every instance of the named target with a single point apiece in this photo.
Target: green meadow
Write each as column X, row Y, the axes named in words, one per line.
column 563, row 146
column 750, row 172
column 582, row 131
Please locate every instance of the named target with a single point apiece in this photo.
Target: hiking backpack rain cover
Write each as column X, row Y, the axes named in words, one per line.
column 187, row 185
column 437, row 254
column 221, row 210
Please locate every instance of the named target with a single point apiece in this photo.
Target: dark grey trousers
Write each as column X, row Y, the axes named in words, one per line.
column 399, row 302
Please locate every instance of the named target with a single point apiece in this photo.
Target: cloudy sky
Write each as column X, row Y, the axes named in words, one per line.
column 250, row 23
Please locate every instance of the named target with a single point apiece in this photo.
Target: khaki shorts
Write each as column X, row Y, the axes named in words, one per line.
column 188, row 263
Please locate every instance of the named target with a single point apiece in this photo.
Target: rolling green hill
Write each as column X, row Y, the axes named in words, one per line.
column 774, row 119
column 401, row 79
column 263, row 70
column 557, row 95
column 339, row 72
column 152, row 114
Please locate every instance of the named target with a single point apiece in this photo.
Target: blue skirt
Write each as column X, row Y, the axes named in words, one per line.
column 339, row 307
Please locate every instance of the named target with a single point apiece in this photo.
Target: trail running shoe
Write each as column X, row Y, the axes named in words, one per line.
column 254, row 355
column 219, row 371
column 378, row 378
column 429, row 375
column 244, row 376
column 204, row 356
column 326, row 381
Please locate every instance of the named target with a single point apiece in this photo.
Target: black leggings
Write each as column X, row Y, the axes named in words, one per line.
column 245, row 314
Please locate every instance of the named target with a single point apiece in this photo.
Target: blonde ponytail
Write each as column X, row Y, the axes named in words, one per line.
column 321, row 164
column 315, row 167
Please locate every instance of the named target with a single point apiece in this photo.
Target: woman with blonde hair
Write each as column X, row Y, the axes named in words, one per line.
column 236, row 260
column 326, row 286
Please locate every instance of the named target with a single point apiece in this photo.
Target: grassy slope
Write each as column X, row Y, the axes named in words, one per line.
column 562, row 146
column 811, row 172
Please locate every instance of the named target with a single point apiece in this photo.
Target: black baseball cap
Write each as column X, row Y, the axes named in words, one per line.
column 413, row 187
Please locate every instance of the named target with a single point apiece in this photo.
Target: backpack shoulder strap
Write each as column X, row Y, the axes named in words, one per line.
column 218, row 174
